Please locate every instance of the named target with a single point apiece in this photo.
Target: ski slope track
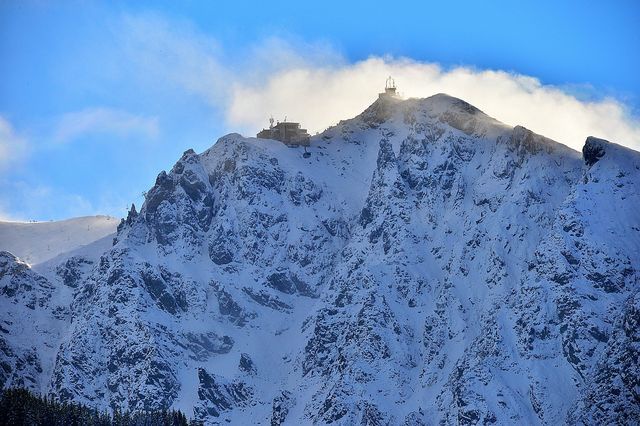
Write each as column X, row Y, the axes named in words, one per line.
column 426, row 265
column 38, row 242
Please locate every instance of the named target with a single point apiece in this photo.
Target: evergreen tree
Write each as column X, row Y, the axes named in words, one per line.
column 20, row 407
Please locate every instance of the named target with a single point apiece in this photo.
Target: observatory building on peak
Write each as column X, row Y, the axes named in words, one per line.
column 287, row 132
column 291, row 134
column 390, row 90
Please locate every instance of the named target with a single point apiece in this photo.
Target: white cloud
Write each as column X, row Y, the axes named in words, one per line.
column 13, row 147
column 314, row 84
column 321, row 96
column 76, row 124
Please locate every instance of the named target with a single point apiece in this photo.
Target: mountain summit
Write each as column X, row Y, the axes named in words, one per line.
column 426, row 264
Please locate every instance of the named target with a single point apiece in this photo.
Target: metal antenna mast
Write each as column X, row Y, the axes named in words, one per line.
column 390, row 84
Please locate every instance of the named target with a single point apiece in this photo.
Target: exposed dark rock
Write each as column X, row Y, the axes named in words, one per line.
column 266, row 299
column 71, row 271
column 203, row 346
column 230, row 308
column 289, row 283
column 593, row 150
column 281, row 406
column 218, row 395
column 246, row 364
column 160, row 293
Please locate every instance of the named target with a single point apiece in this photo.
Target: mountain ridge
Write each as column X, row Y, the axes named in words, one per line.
column 38, row 242
column 426, row 264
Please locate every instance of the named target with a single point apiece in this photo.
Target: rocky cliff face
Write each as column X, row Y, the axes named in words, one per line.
column 425, row 265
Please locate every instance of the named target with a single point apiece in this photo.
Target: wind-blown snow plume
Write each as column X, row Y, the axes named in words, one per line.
column 315, row 84
column 320, row 96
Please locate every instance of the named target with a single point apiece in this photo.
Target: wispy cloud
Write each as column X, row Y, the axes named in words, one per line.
column 13, row 147
column 173, row 53
column 169, row 52
column 316, row 85
column 22, row 200
column 104, row 121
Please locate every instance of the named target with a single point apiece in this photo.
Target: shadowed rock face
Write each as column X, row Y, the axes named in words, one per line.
column 28, row 321
column 593, row 150
column 217, row 395
column 246, row 364
column 425, row 265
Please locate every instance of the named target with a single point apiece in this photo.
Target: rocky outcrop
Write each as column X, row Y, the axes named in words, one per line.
column 29, row 324
column 593, row 150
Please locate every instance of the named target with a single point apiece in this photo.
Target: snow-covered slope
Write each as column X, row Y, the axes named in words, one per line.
column 425, row 265
column 36, row 242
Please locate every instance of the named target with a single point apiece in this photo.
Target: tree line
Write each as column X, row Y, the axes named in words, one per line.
column 20, row 407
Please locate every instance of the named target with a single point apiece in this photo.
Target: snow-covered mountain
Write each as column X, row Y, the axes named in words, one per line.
column 37, row 242
column 426, row 264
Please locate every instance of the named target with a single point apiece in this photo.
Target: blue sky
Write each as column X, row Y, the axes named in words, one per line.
column 96, row 98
